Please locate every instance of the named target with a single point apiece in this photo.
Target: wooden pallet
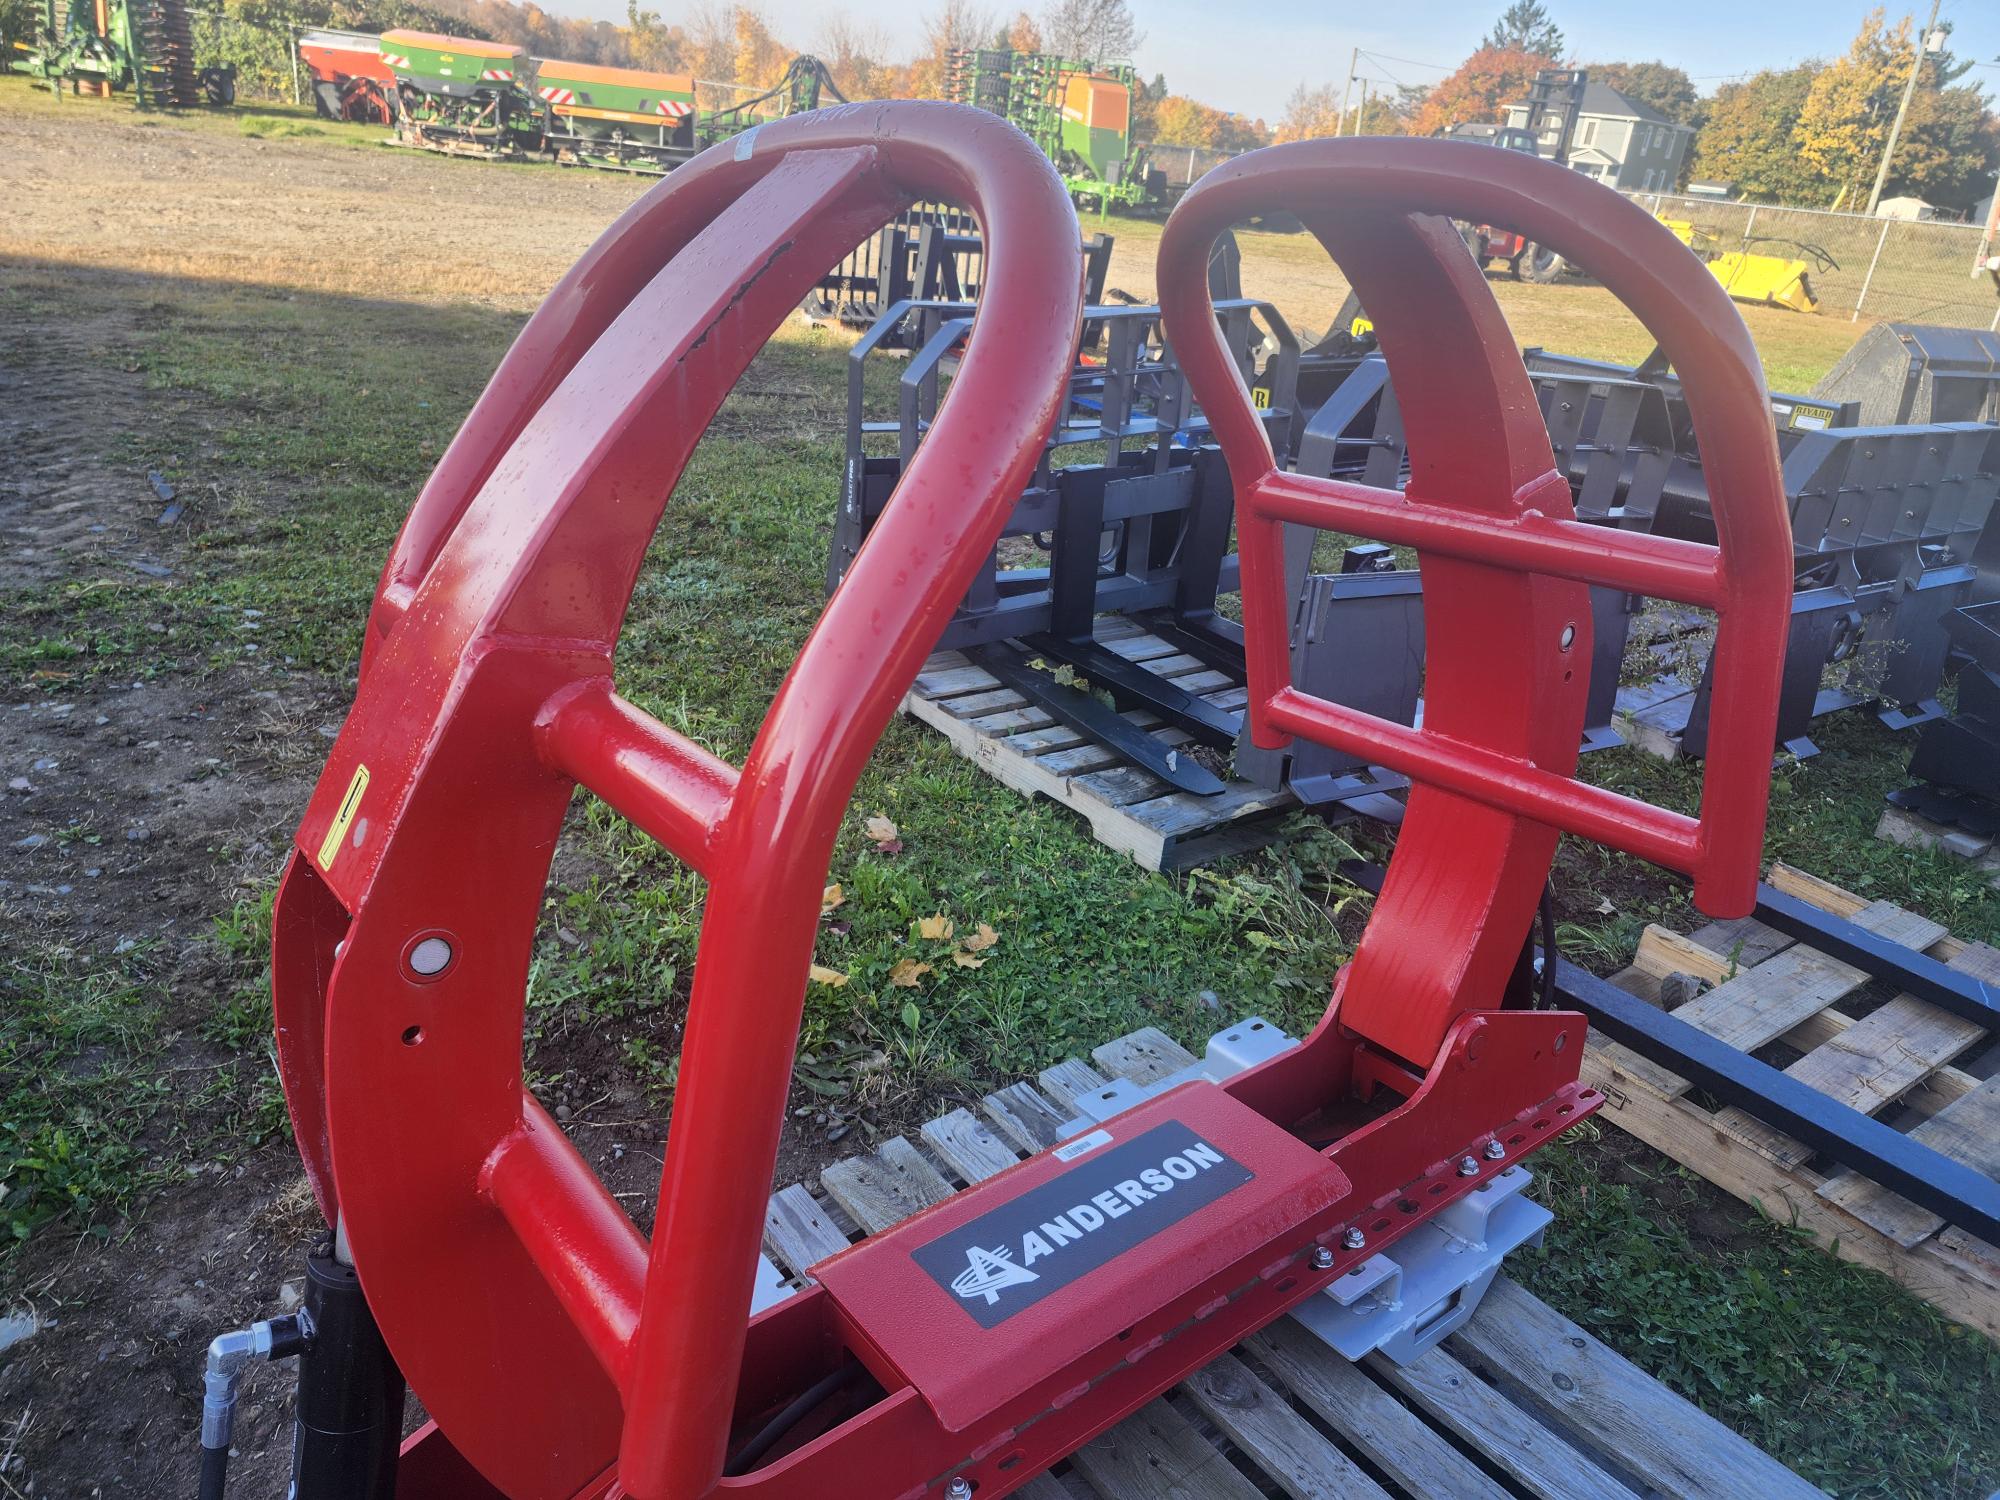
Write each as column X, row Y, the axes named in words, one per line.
column 1128, row 809
column 1895, row 1059
column 1521, row 1402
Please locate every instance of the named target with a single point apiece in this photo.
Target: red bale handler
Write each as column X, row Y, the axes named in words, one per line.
column 965, row 1350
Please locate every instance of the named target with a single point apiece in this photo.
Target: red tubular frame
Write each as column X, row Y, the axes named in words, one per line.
column 562, row 1354
column 486, row 691
column 1382, row 209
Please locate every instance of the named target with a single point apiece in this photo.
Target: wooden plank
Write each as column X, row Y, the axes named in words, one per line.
column 796, row 1233
column 1810, row 888
column 1025, row 1117
column 1579, row 1384
column 1745, row 940
column 1144, row 1056
column 1504, row 1434
column 1680, row 1129
column 1283, row 1444
column 967, row 1146
column 1662, row 951
column 1154, row 1455
column 1069, row 1080
column 887, row 1187
column 1763, row 1003
column 1392, row 1437
column 1868, row 1065
column 1967, row 1131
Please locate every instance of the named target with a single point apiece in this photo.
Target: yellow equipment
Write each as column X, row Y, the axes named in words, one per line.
column 1774, row 280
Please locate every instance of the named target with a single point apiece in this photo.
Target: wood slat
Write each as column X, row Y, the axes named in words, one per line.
column 1570, row 1378
column 1762, row 1004
column 1069, row 1080
column 1391, row 1436
column 883, row 1189
column 967, row 1146
column 1283, row 1444
column 1025, row 1117
column 1967, row 1130
column 1144, row 1056
column 797, row 1234
column 1511, row 1439
column 1155, row 1455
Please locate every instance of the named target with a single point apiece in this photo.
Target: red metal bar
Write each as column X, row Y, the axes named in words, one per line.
column 1666, row 838
column 659, row 778
column 578, row 1237
column 1658, row 566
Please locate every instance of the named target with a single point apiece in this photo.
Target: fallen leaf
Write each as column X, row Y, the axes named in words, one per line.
column 881, row 830
column 981, row 940
column 907, row 972
column 889, row 846
column 935, row 929
column 831, row 978
column 965, row 960
column 1605, row 908
column 831, row 897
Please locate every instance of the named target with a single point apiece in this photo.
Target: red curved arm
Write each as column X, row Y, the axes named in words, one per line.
column 487, row 696
column 1505, row 562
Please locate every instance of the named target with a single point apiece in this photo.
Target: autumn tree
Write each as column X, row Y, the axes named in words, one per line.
column 1310, row 112
column 654, row 43
column 1146, row 101
column 1525, row 26
column 1747, row 139
column 1482, row 88
column 1950, row 145
column 1844, row 123
column 760, row 57
column 858, row 57
column 1022, row 34
column 1656, row 84
column 1095, row 30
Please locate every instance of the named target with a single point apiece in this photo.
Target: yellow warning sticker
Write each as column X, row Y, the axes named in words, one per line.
column 343, row 818
column 1260, row 397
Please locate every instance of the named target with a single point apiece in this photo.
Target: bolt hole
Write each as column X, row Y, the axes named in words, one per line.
column 1010, row 1460
column 1541, row 1124
column 1565, row 1109
column 1516, row 1139
column 1125, row 1335
column 1562, row 1040
column 1288, row 1283
column 412, row 1035
column 1568, row 638
column 1380, row 1225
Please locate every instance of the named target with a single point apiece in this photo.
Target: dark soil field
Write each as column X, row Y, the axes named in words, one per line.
column 279, row 325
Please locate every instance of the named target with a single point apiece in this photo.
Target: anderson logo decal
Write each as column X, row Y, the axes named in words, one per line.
column 1110, row 1201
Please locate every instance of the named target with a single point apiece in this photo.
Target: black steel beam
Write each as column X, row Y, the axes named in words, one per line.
column 1950, row 1189
column 1912, row 972
column 1083, row 713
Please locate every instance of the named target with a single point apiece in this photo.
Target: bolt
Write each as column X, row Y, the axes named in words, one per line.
column 1322, row 1258
column 1468, row 1166
column 1494, row 1151
column 958, row 1489
column 1568, row 638
column 1354, row 1239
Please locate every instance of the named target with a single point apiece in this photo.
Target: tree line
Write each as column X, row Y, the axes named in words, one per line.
column 1811, row 135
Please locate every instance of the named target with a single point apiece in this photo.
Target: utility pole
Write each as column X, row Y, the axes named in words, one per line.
column 1353, row 62
column 1361, row 114
column 1909, row 89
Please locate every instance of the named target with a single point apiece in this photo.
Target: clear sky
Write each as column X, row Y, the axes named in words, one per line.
column 1247, row 55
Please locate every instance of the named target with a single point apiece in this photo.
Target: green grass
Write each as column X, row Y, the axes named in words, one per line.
column 303, row 466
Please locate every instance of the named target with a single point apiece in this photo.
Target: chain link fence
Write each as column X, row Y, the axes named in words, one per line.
column 1899, row 270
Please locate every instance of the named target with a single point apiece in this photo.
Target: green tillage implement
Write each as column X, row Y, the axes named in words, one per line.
column 101, row 46
column 465, row 97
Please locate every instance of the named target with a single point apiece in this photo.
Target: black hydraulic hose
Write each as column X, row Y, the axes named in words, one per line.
column 214, row 1472
column 766, row 1438
column 1546, row 912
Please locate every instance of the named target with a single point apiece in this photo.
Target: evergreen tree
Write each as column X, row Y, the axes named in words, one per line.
column 1525, row 26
